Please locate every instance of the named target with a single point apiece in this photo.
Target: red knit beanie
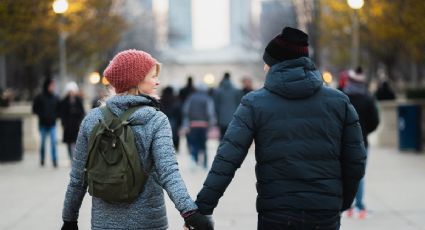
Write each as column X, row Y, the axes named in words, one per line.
column 128, row 68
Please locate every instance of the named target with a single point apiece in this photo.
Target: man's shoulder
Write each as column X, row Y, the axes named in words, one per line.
column 256, row 98
column 334, row 94
column 257, row 93
column 254, row 94
column 364, row 98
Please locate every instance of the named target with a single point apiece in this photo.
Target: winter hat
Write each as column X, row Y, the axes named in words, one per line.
column 357, row 75
column 47, row 83
column 128, row 68
column 71, row 86
column 290, row 44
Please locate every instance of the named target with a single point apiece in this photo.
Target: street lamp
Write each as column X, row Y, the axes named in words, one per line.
column 355, row 5
column 60, row 7
column 327, row 77
column 94, row 78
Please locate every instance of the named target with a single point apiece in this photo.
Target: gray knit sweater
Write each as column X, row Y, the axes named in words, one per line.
column 152, row 132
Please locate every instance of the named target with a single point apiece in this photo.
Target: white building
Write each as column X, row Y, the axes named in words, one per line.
column 204, row 38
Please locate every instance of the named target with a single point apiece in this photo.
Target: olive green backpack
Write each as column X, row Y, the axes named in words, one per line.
column 114, row 172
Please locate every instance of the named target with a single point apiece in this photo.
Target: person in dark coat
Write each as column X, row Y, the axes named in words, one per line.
column 247, row 85
column 308, row 144
column 46, row 107
column 187, row 90
column 170, row 105
column 226, row 100
column 365, row 105
column 71, row 113
column 385, row 92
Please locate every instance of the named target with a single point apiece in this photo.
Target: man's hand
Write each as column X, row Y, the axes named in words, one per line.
column 197, row 221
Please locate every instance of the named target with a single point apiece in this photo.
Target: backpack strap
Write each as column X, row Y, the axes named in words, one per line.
column 108, row 115
column 128, row 113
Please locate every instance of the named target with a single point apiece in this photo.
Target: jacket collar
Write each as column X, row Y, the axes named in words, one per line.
column 294, row 79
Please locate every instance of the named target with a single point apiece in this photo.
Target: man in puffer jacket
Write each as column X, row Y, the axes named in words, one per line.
column 308, row 144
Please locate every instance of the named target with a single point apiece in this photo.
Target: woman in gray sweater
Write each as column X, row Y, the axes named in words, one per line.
column 134, row 76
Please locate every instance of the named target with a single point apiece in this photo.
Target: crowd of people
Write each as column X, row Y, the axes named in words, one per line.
column 311, row 140
column 49, row 107
column 192, row 112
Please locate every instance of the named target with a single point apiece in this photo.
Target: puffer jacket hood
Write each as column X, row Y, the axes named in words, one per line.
column 294, row 79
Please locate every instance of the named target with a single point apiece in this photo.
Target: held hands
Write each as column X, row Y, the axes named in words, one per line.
column 69, row 225
column 197, row 221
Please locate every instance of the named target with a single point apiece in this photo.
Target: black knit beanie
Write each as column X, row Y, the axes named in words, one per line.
column 290, row 44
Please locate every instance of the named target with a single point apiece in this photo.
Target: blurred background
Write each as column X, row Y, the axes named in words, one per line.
column 205, row 38
column 74, row 40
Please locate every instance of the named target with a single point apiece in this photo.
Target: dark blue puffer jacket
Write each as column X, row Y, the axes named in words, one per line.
column 308, row 144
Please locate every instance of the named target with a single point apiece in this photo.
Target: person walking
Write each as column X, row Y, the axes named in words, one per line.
column 187, row 90
column 46, row 107
column 308, row 144
column 134, row 76
column 226, row 100
column 170, row 105
column 365, row 105
column 247, row 85
column 198, row 117
column 71, row 112
column 385, row 92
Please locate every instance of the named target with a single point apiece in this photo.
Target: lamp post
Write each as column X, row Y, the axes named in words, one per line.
column 60, row 7
column 355, row 43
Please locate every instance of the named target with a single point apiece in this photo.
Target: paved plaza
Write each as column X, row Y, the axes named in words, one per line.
column 31, row 197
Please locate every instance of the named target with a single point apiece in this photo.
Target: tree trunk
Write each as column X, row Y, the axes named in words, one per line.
column 3, row 78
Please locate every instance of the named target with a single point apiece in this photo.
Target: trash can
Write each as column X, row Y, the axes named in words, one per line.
column 10, row 140
column 409, row 127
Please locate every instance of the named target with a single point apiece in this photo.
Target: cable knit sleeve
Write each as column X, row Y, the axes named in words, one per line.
column 167, row 167
column 77, row 187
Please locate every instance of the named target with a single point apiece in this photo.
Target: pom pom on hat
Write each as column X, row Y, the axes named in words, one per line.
column 128, row 68
column 357, row 75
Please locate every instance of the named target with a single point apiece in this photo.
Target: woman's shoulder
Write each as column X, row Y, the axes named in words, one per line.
column 91, row 119
column 147, row 115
